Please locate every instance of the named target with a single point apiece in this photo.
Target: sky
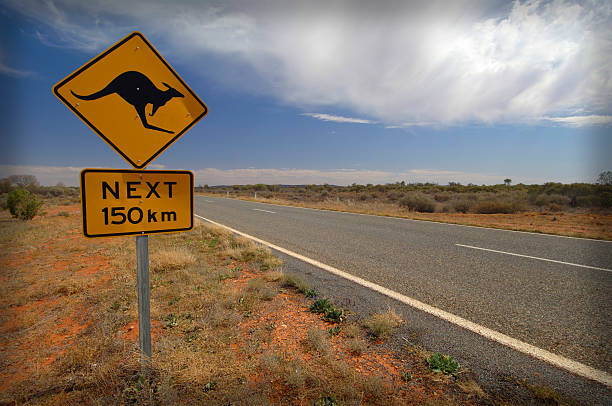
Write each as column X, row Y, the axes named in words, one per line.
column 336, row 92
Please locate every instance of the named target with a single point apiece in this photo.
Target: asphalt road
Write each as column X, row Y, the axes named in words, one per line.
column 556, row 306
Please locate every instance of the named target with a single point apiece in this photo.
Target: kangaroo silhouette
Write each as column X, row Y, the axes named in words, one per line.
column 138, row 90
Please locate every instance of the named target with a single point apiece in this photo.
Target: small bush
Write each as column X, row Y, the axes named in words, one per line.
column 442, row 196
column 395, row 195
column 445, row 364
column 462, row 205
column 381, row 325
column 587, row 201
column 23, row 204
column 321, row 306
column 335, row 315
column 544, row 199
column 494, row 207
column 330, row 313
column 418, row 202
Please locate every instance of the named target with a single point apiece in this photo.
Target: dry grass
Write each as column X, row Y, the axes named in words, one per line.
column 381, row 325
column 357, row 346
column 171, row 258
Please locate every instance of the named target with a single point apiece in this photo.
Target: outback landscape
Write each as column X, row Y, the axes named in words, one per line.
column 578, row 210
column 230, row 324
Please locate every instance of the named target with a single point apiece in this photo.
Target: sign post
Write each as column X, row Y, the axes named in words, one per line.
column 133, row 99
column 144, row 300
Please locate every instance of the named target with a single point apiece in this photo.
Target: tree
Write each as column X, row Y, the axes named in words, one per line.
column 24, row 181
column 507, row 181
column 605, row 178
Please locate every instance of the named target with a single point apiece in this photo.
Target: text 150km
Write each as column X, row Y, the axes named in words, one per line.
column 118, row 215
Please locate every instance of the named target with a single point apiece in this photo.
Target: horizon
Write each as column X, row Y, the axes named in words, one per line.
column 337, row 93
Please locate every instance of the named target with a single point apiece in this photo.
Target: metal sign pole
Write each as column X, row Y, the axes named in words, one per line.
column 144, row 299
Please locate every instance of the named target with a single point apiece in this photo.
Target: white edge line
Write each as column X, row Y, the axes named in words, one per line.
column 533, row 351
column 267, row 211
column 420, row 221
column 538, row 258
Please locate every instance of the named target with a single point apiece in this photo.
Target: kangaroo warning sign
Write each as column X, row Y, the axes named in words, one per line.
column 131, row 97
column 124, row 201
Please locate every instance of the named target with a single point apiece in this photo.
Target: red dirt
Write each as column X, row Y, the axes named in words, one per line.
column 24, row 349
column 287, row 321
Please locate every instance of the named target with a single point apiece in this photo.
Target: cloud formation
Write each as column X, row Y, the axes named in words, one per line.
column 338, row 119
column 399, row 62
column 582, row 121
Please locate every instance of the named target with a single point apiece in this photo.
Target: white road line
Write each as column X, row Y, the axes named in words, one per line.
column 538, row 258
column 559, row 361
column 267, row 211
column 426, row 221
column 208, row 201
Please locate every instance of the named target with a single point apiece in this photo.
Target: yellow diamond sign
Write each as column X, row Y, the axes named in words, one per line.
column 131, row 97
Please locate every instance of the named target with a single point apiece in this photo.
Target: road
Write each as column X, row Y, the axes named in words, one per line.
column 552, row 292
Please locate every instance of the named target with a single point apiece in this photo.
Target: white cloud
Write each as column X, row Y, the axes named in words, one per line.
column 6, row 70
column 399, row 62
column 581, row 121
column 338, row 119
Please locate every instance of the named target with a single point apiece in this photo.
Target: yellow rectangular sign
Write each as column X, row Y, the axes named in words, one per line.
column 124, row 201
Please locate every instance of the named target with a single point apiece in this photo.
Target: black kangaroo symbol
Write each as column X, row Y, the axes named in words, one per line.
column 138, row 90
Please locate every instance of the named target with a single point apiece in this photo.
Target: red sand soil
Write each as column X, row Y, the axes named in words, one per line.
column 287, row 321
column 30, row 349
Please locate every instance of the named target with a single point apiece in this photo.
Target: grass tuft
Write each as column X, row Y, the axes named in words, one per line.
column 170, row 258
column 381, row 325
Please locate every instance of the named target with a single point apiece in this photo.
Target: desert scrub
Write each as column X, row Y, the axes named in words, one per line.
column 443, row 363
column 329, row 311
column 23, row 204
column 381, row 325
column 418, row 202
column 295, row 281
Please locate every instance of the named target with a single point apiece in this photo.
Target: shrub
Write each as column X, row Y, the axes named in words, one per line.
column 321, row 306
column 395, row 195
column 463, row 205
column 493, row 207
column 23, row 204
column 418, row 202
column 330, row 313
column 442, row 196
column 586, row 201
column 606, row 199
column 557, row 199
column 439, row 362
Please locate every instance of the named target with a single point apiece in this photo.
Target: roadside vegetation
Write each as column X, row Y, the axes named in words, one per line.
column 578, row 209
column 229, row 326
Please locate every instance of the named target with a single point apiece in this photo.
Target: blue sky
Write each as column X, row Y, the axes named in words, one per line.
column 330, row 92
